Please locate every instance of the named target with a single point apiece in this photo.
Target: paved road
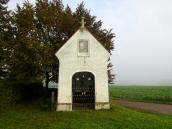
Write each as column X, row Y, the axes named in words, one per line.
column 152, row 107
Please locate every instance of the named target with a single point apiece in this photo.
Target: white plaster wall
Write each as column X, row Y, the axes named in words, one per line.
column 71, row 63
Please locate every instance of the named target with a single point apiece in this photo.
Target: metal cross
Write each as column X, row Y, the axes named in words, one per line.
column 83, row 22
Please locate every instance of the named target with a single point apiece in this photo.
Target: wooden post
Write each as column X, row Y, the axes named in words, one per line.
column 52, row 100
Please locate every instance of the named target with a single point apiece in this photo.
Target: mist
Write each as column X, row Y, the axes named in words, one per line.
column 143, row 43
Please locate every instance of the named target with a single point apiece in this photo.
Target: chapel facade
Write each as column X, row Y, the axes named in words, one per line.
column 83, row 78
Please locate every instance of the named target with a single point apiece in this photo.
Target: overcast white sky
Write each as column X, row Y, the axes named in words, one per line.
column 143, row 43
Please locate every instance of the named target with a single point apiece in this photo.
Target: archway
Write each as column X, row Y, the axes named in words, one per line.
column 83, row 91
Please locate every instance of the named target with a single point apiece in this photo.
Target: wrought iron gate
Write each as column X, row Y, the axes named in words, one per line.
column 83, row 91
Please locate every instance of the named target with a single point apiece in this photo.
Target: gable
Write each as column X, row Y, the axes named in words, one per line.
column 98, row 41
column 82, row 34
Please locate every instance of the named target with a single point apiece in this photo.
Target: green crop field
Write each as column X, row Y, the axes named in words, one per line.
column 158, row 94
column 32, row 116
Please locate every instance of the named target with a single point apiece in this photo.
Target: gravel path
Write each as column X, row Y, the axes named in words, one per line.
column 152, row 107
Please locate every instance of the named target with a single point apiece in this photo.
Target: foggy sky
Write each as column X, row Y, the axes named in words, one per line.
column 143, row 43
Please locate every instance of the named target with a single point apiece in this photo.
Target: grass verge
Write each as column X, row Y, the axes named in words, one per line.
column 32, row 116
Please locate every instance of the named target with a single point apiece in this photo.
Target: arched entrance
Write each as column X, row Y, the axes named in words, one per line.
column 83, row 91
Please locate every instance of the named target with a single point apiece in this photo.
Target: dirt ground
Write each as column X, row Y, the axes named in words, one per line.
column 151, row 107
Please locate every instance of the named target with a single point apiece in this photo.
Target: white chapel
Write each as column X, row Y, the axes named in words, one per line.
column 83, row 78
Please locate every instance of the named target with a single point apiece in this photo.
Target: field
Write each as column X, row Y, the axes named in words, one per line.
column 32, row 115
column 157, row 94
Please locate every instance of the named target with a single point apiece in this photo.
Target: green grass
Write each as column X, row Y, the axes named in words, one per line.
column 158, row 94
column 31, row 116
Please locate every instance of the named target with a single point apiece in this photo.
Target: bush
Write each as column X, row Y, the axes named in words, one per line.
column 13, row 92
column 6, row 95
column 10, row 93
column 27, row 91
